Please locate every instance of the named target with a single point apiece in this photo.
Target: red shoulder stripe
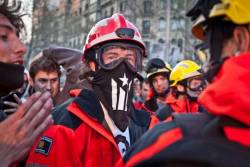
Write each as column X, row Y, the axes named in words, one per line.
column 91, row 122
column 163, row 141
column 239, row 135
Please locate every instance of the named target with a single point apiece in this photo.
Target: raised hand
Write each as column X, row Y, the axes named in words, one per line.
column 21, row 129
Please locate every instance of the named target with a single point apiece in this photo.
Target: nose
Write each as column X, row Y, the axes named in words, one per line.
column 48, row 86
column 19, row 48
column 159, row 82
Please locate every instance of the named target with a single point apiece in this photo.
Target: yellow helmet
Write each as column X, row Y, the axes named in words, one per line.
column 236, row 11
column 183, row 70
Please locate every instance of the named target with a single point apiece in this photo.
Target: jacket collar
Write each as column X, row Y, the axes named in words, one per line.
column 88, row 102
column 181, row 105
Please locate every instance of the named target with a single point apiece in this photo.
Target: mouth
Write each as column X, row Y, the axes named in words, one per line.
column 18, row 62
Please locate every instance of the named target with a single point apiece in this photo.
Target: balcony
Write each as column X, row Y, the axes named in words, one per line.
column 93, row 7
column 104, row 2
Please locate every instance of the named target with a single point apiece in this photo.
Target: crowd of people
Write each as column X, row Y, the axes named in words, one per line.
column 107, row 114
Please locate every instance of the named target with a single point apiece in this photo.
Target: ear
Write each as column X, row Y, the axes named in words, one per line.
column 180, row 88
column 242, row 38
column 31, row 82
column 92, row 65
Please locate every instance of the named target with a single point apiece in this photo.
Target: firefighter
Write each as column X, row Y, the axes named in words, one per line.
column 100, row 124
column 158, row 76
column 187, row 84
column 222, row 140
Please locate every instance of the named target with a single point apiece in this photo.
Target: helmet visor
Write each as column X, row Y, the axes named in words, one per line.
column 196, row 83
column 112, row 54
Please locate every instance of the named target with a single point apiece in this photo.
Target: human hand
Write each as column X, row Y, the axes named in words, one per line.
column 19, row 131
column 12, row 106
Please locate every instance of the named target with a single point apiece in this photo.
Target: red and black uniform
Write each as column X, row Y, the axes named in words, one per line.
column 182, row 105
column 174, row 105
column 177, row 106
column 202, row 140
column 79, row 136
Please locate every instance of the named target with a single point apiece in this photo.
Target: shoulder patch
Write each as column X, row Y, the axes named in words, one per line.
column 44, row 145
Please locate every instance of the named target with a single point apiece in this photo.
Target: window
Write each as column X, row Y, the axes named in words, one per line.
column 146, row 27
column 105, row 13
column 86, row 6
column 177, row 24
column 163, row 4
column 84, row 39
column 51, row 37
column 80, row 11
column 180, row 44
column 175, row 5
column 92, row 1
column 147, row 7
column 74, row 43
column 162, row 23
column 79, row 41
column 147, row 43
column 123, row 6
column 111, row 11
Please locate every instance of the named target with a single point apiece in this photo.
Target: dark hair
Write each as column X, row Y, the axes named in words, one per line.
column 218, row 31
column 13, row 13
column 45, row 64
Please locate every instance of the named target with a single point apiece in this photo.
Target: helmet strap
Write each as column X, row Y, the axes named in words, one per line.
column 184, row 84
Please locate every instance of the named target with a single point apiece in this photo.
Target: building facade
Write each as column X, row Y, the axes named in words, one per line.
column 164, row 27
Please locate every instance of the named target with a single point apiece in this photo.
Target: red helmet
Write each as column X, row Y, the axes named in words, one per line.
column 115, row 28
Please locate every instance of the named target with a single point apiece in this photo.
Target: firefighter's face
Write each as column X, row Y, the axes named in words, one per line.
column 160, row 83
column 195, row 86
column 115, row 53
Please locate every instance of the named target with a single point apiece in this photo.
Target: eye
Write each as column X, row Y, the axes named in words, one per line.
column 4, row 37
column 110, row 56
column 54, row 80
column 43, row 81
column 154, row 81
column 130, row 57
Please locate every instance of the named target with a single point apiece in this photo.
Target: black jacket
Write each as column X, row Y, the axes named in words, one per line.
column 200, row 142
